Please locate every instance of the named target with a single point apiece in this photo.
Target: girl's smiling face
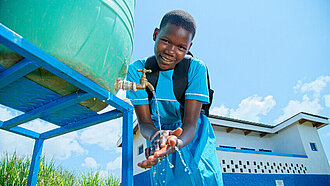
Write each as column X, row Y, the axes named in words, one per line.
column 172, row 43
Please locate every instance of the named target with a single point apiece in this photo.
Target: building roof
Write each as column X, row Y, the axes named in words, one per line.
column 240, row 121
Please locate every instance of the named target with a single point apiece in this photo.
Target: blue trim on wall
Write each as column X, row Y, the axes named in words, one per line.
column 238, row 179
column 262, row 152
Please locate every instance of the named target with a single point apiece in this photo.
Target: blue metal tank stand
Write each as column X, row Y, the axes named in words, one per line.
column 45, row 104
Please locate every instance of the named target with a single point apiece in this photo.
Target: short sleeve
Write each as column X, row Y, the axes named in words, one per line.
column 197, row 82
column 139, row 97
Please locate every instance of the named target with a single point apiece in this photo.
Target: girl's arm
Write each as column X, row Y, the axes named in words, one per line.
column 192, row 110
column 148, row 131
column 146, row 126
column 176, row 138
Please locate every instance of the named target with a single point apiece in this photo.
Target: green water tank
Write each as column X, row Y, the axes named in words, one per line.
column 93, row 37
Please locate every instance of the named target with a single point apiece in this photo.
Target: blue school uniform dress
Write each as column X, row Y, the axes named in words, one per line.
column 202, row 163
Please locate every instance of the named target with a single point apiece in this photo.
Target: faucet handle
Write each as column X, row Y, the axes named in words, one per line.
column 144, row 71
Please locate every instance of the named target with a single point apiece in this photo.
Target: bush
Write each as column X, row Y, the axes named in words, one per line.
column 15, row 171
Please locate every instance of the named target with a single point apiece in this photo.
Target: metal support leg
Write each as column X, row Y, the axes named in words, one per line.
column 127, row 146
column 35, row 162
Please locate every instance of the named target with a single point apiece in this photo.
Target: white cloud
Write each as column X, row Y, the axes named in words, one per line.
column 294, row 107
column 220, row 111
column 251, row 107
column 11, row 142
column 307, row 104
column 105, row 135
column 7, row 113
column 39, row 126
column 315, row 86
column 64, row 146
column 327, row 100
column 61, row 147
column 90, row 162
column 116, row 164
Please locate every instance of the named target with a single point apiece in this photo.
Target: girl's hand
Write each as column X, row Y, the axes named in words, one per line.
column 151, row 161
column 161, row 147
column 171, row 142
column 158, row 141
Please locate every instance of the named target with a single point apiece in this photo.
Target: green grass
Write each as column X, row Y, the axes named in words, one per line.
column 14, row 170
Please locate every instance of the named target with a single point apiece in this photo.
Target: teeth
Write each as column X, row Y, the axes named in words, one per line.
column 165, row 59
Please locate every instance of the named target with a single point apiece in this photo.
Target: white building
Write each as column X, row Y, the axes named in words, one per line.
column 289, row 153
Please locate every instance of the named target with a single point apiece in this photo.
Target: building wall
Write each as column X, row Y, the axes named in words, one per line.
column 243, row 162
column 138, row 140
column 288, row 140
column 236, row 138
column 318, row 161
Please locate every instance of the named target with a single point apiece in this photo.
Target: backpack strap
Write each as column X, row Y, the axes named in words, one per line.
column 180, row 79
column 151, row 64
column 206, row 107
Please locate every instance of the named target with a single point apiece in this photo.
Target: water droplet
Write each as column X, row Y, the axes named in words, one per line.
column 169, row 163
column 183, row 162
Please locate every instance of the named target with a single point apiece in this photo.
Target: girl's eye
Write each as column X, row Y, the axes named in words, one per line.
column 165, row 40
column 182, row 48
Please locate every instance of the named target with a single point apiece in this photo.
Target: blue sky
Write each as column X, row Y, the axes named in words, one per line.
column 268, row 60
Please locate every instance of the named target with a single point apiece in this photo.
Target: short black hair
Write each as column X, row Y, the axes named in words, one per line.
column 179, row 18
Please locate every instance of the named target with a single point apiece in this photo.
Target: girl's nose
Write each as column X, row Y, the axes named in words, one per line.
column 171, row 49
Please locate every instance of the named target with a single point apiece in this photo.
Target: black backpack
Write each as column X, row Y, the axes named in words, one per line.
column 180, row 81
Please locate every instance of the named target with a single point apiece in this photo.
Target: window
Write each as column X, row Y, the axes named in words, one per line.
column 313, row 146
column 227, row 147
column 265, row 150
column 140, row 149
column 243, row 148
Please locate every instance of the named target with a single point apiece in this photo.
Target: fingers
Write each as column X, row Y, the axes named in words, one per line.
column 177, row 132
column 148, row 163
column 162, row 146
column 172, row 141
column 163, row 140
column 160, row 153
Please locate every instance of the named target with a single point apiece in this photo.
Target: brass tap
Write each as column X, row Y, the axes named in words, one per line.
column 144, row 81
column 127, row 85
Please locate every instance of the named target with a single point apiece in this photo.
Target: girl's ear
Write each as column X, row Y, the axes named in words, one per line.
column 155, row 34
column 189, row 46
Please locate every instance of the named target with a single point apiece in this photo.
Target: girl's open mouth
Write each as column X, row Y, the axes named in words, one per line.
column 166, row 60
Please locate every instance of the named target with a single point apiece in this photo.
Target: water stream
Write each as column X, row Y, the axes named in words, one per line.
column 176, row 148
column 158, row 114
